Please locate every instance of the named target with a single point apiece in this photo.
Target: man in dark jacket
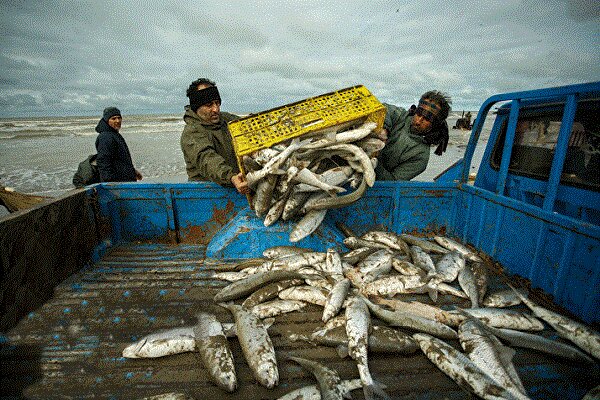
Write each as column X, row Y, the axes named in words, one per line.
column 409, row 137
column 113, row 160
column 206, row 142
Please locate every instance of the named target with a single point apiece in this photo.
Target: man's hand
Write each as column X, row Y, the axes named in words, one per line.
column 138, row 175
column 240, row 183
column 382, row 134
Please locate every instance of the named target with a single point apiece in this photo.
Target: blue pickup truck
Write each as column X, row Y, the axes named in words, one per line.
column 89, row 273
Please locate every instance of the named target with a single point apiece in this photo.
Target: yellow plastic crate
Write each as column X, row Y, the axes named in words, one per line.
column 353, row 105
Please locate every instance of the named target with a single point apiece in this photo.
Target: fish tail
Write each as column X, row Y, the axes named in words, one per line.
column 375, row 391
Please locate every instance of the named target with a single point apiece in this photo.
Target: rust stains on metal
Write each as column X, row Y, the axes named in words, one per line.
column 222, row 216
column 202, row 234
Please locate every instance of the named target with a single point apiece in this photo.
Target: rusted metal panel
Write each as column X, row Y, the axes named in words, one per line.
column 39, row 248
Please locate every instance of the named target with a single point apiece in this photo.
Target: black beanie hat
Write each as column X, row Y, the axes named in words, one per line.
column 110, row 112
column 204, row 96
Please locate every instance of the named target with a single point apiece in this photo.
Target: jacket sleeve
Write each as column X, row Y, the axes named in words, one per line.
column 408, row 169
column 201, row 153
column 395, row 118
column 105, row 147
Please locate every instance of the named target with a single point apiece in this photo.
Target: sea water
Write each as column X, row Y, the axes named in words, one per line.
column 40, row 155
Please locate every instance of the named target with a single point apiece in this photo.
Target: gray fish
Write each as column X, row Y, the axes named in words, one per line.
column 308, row 177
column 360, row 156
column 307, row 225
column 424, row 244
column 453, row 245
column 540, row 343
column 338, row 201
column 390, row 239
column 486, row 351
column 170, row 396
column 269, row 292
column 448, row 267
column 274, row 164
column 382, row 339
column 312, row 392
column 294, row 204
column 468, row 283
column 460, row 368
column 256, row 345
column 276, row 307
column 335, row 299
column 305, row 293
column 358, row 254
column 408, row 320
column 503, row 298
column 422, row 260
column 214, row 351
column 328, row 379
column 263, row 195
column 358, row 324
column 582, row 335
column 353, row 242
column 504, row 318
column 283, row 251
column 246, row 286
column 163, row 343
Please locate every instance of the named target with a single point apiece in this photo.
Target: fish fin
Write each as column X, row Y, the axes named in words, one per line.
column 342, row 351
column 432, row 291
column 375, row 391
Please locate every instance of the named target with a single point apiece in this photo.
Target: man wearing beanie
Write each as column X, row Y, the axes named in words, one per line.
column 113, row 160
column 206, row 142
column 409, row 136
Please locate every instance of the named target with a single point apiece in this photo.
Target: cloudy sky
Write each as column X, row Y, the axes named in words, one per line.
column 76, row 57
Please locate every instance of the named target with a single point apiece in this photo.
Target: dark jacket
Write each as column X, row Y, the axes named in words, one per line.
column 405, row 155
column 114, row 160
column 208, row 149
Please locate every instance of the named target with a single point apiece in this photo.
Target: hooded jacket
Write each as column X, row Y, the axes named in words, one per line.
column 208, row 149
column 113, row 160
column 405, row 154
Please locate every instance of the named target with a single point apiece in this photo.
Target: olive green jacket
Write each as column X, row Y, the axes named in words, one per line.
column 208, row 149
column 405, row 155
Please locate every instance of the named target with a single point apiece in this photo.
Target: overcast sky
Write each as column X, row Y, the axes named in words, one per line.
column 76, row 57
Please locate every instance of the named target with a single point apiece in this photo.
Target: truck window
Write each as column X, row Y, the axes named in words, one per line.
column 535, row 141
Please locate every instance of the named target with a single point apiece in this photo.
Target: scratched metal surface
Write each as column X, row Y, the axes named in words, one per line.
column 70, row 348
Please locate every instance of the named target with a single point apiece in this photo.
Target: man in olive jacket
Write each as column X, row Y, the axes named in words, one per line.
column 206, row 142
column 409, row 137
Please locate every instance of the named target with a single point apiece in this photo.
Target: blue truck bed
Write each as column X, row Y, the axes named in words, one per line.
column 97, row 269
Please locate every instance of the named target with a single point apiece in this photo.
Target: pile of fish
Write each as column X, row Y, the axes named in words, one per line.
column 361, row 292
column 302, row 179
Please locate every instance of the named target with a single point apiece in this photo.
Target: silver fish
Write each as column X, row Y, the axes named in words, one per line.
column 486, row 351
column 460, row 368
column 406, row 267
column 294, row 204
column 308, row 177
column 338, row 201
column 503, row 298
column 453, row 245
column 170, row 396
column 412, row 321
column 274, row 164
column 359, row 155
column 328, row 379
column 353, row 242
column 214, row 351
column 334, row 177
column 392, row 285
column 333, row 264
column 263, row 195
column 276, row 307
column 246, row 286
column 422, row 260
column 448, row 267
column 421, row 309
column 162, row 343
column 283, row 251
column 504, row 318
column 468, row 282
column 582, row 335
column 382, row 339
column 390, row 239
column 358, row 254
column 305, row 293
column 307, row 225
column 335, row 299
column 540, row 343
column 424, row 244
column 269, row 292
column 358, row 324
column 256, row 345
column 312, row 392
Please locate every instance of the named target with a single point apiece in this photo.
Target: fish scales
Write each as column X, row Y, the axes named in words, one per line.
column 256, row 345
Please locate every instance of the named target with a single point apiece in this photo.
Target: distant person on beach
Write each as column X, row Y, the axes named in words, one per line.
column 114, row 159
column 409, row 136
column 206, row 142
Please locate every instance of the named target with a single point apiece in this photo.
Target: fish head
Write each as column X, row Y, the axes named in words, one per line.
column 133, row 350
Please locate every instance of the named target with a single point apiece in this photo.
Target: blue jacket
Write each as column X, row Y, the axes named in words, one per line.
column 114, row 160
